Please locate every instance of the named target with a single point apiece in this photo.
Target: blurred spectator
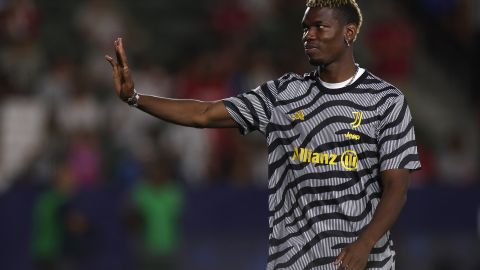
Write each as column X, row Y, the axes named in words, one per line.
column 153, row 79
column 100, row 22
column 21, row 64
column 260, row 69
column 393, row 45
column 50, row 214
column 21, row 21
column 457, row 163
column 206, row 79
column 96, row 237
column 158, row 202
column 23, row 131
column 248, row 164
column 56, row 85
column 202, row 79
column 230, row 19
column 21, row 57
column 85, row 159
column 448, row 29
column 81, row 112
column 191, row 148
column 258, row 9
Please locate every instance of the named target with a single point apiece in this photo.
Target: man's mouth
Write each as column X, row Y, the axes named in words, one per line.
column 309, row 47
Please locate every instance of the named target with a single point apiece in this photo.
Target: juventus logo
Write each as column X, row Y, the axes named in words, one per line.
column 357, row 120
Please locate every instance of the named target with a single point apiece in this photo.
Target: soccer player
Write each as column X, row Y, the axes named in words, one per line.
column 341, row 145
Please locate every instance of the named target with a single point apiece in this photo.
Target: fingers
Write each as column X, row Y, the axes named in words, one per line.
column 115, row 73
column 121, row 75
column 117, row 52
column 350, row 262
column 117, row 80
column 123, row 55
column 110, row 60
column 128, row 78
column 340, row 258
column 120, row 52
column 345, row 261
column 123, row 62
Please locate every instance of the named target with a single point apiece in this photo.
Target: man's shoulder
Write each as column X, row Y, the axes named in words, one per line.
column 292, row 77
column 289, row 82
column 382, row 94
column 372, row 84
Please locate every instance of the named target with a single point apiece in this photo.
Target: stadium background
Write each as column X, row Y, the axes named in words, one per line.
column 78, row 167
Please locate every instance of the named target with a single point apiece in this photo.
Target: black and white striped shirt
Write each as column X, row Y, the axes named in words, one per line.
column 326, row 149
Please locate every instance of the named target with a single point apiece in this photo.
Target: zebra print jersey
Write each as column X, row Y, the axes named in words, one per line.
column 326, row 149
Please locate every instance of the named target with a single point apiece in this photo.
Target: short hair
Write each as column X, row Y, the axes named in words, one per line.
column 349, row 9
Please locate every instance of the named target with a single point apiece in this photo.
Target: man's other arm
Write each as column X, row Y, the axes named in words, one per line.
column 395, row 185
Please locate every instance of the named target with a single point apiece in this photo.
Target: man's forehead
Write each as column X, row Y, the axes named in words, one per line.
column 320, row 14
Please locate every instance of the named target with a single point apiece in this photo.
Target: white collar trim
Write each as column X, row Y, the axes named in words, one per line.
column 344, row 83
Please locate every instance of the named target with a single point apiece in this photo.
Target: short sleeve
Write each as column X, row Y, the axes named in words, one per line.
column 396, row 137
column 252, row 110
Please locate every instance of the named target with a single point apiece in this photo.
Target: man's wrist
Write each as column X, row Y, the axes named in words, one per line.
column 133, row 99
column 370, row 242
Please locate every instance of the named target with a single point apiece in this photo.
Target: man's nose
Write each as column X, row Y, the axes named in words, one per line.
column 309, row 34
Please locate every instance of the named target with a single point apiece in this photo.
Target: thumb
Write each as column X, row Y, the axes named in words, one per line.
column 110, row 60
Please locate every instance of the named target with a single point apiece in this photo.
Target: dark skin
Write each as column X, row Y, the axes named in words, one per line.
column 192, row 113
column 326, row 38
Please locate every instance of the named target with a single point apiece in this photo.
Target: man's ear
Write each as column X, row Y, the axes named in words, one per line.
column 350, row 32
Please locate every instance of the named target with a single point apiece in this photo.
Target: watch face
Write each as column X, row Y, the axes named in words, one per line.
column 133, row 100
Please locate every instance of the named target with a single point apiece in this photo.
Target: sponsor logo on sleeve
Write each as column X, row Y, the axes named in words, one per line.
column 298, row 116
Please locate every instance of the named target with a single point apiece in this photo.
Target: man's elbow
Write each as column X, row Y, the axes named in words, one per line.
column 403, row 195
column 397, row 189
column 204, row 119
column 201, row 120
column 404, row 199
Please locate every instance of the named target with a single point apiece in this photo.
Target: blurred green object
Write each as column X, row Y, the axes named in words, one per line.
column 47, row 238
column 159, row 207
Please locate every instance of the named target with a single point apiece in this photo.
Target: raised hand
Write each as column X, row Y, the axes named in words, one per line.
column 122, row 79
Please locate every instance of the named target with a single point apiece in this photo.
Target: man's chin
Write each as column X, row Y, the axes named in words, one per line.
column 316, row 62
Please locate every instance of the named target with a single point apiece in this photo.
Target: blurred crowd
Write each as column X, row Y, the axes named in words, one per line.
column 64, row 131
column 58, row 101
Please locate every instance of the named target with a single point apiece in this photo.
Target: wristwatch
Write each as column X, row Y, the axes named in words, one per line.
column 133, row 100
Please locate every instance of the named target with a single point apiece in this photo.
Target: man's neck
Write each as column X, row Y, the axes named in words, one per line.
column 337, row 72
